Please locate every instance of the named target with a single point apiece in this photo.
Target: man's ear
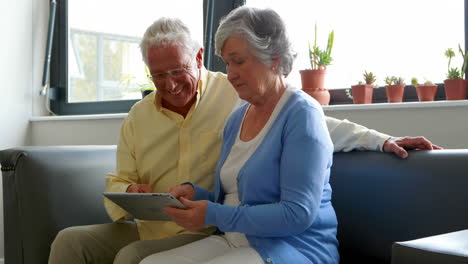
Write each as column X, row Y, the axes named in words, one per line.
column 199, row 58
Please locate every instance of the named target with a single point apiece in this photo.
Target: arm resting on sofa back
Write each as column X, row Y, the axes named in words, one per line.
column 46, row 189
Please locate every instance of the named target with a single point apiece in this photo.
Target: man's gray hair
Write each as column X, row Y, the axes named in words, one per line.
column 165, row 32
column 265, row 33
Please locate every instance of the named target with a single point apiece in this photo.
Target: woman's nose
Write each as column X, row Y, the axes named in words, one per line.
column 232, row 75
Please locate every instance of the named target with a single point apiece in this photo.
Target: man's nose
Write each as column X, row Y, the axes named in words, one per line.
column 171, row 84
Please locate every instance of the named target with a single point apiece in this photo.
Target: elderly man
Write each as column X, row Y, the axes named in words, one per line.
column 174, row 136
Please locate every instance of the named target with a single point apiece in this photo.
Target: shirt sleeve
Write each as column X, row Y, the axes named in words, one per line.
column 126, row 170
column 347, row 136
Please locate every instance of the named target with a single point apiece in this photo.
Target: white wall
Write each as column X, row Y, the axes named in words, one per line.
column 443, row 123
column 16, row 70
column 47, row 131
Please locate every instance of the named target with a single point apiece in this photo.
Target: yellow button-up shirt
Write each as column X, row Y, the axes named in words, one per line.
column 162, row 148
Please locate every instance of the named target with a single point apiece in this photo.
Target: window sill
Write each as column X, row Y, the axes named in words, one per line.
column 404, row 105
column 344, row 107
column 77, row 117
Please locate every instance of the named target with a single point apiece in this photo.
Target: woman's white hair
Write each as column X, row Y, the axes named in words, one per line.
column 165, row 32
column 265, row 33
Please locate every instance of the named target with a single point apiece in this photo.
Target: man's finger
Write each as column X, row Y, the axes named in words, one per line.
column 399, row 151
column 436, row 147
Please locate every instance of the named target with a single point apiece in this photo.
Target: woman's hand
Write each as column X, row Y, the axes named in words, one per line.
column 139, row 188
column 399, row 144
column 192, row 218
column 183, row 190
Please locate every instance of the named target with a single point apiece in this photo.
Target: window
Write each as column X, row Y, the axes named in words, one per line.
column 103, row 67
column 96, row 63
column 400, row 37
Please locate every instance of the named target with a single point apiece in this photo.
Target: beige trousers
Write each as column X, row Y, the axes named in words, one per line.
column 116, row 243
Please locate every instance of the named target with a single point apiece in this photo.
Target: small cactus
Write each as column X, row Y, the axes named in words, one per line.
column 414, row 81
column 390, row 80
column 369, row 78
column 428, row 83
column 399, row 81
column 454, row 73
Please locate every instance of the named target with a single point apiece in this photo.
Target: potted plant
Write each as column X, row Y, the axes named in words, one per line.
column 313, row 79
column 395, row 88
column 455, row 85
column 362, row 92
column 145, row 86
column 425, row 91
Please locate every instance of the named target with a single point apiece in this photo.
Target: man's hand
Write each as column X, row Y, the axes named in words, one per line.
column 192, row 218
column 183, row 190
column 139, row 188
column 398, row 145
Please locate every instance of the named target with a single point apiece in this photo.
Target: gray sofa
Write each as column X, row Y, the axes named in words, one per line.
column 379, row 199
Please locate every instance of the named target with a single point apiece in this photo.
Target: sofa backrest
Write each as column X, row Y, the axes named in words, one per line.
column 380, row 198
column 46, row 189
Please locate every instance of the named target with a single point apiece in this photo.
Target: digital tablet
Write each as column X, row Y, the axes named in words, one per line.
column 145, row 206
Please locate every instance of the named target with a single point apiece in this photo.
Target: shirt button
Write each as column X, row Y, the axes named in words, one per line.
column 268, row 260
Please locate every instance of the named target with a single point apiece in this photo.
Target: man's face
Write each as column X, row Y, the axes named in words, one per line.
column 178, row 89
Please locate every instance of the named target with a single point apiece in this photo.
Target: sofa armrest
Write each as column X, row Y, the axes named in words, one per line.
column 450, row 248
column 46, row 189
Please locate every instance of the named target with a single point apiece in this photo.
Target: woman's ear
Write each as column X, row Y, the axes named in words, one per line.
column 275, row 64
column 199, row 58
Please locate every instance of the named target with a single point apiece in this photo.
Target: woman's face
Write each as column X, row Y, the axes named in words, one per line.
column 251, row 78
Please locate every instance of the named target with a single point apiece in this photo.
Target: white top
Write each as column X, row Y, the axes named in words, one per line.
column 240, row 153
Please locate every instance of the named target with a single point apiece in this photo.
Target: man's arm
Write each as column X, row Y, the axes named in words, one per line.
column 348, row 136
column 126, row 174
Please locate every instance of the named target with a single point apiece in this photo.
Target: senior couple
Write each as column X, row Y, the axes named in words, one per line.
column 253, row 173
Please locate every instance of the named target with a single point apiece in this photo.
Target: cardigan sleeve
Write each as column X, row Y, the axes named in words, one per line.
column 304, row 166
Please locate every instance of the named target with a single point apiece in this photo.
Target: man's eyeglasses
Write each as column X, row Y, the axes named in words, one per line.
column 161, row 76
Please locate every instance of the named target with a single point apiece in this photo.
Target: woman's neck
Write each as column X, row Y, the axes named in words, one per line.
column 268, row 101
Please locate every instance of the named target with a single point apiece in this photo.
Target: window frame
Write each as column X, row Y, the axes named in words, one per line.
column 213, row 10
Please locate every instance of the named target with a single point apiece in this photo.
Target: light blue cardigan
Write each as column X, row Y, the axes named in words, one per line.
column 285, row 210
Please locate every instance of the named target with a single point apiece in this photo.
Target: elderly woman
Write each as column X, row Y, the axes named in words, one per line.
column 271, row 198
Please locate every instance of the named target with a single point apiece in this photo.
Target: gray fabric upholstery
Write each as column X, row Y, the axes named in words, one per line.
column 379, row 199
column 451, row 248
column 46, row 189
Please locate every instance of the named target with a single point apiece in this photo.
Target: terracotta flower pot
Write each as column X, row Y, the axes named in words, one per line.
column 313, row 83
column 426, row 92
column 455, row 89
column 313, row 78
column 395, row 93
column 319, row 94
column 362, row 94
